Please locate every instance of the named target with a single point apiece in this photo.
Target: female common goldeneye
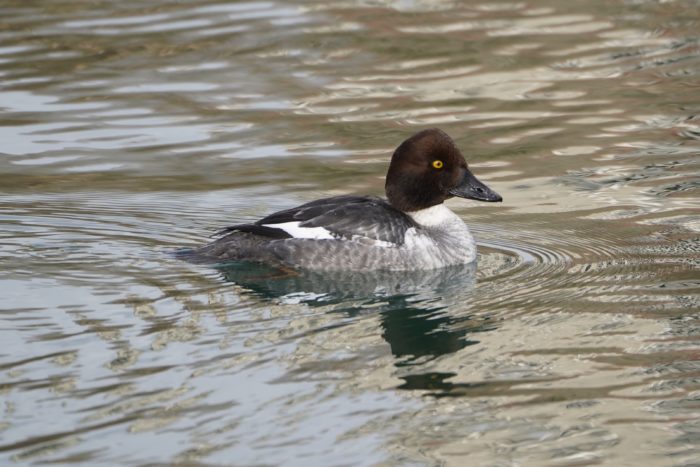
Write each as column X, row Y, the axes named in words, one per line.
column 410, row 230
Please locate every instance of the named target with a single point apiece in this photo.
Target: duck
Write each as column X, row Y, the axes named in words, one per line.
column 412, row 229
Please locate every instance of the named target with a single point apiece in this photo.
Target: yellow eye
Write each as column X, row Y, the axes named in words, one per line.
column 437, row 164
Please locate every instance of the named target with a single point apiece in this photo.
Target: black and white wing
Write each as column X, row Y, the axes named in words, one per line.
column 342, row 217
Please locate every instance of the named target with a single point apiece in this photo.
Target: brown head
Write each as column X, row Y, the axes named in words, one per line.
column 427, row 169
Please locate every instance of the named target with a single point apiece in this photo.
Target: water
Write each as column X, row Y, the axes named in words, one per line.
column 132, row 128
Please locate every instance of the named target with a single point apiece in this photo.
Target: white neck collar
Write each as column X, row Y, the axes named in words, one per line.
column 432, row 216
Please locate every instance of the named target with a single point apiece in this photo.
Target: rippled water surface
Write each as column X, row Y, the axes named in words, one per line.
column 129, row 129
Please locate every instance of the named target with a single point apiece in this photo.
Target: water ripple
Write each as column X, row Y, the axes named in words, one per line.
column 131, row 129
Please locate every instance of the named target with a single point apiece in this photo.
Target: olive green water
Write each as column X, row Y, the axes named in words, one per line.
column 129, row 129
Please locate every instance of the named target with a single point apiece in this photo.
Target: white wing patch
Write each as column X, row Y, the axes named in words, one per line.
column 293, row 229
column 320, row 233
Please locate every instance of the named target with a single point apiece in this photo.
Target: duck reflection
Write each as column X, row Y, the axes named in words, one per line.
column 325, row 287
column 424, row 314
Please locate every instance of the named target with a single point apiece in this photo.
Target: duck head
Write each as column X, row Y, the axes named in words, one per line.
column 427, row 169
